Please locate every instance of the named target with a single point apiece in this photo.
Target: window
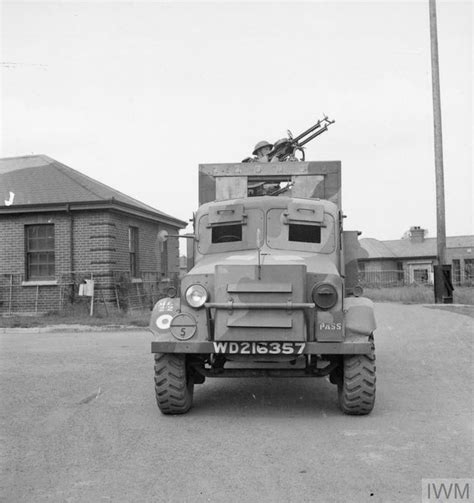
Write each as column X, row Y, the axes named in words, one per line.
column 133, row 250
column 302, row 226
column 468, row 269
column 304, row 233
column 39, row 252
column 361, row 267
column 164, row 259
column 456, row 271
column 420, row 275
column 227, row 233
column 400, row 272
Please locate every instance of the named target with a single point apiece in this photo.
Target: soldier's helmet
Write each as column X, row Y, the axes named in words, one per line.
column 260, row 145
column 280, row 142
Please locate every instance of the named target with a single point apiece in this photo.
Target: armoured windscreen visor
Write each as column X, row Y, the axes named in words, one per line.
column 226, row 214
column 305, row 213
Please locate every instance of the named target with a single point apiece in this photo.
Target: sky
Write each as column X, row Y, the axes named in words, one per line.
column 137, row 95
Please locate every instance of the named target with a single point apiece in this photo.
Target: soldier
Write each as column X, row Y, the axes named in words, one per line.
column 261, row 151
column 276, row 146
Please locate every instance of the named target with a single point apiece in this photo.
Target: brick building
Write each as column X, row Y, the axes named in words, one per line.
column 60, row 227
column 411, row 259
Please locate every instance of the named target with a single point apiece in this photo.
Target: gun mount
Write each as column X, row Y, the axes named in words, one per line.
column 285, row 149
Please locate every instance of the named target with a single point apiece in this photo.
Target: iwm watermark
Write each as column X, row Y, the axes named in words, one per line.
column 447, row 490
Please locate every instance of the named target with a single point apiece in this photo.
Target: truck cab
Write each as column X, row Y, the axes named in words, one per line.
column 271, row 289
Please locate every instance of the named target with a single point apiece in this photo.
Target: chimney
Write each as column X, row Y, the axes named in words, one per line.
column 417, row 234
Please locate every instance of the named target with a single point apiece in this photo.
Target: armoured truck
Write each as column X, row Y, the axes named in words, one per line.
column 271, row 289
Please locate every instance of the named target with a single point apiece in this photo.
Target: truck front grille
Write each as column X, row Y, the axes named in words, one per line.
column 264, row 305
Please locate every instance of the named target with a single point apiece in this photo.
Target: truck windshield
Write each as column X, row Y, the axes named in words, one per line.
column 317, row 237
column 221, row 236
column 304, row 233
column 277, row 232
column 227, row 233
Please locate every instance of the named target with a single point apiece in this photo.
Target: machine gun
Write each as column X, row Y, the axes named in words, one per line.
column 286, row 148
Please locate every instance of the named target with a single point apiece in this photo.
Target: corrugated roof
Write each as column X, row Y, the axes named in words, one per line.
column 38, row 180
column 405, row 248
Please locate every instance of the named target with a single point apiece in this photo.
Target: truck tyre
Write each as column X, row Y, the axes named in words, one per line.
column 357, row 389
column 174, row 384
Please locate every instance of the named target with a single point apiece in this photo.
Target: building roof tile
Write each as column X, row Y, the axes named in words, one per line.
column 373, row 248
column 406, row 248
column 39, row 180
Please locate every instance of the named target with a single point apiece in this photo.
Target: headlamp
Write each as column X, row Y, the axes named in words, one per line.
column 196, row 296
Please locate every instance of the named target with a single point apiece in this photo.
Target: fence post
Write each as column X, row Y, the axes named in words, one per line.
column 10, row 296
column 92, row 296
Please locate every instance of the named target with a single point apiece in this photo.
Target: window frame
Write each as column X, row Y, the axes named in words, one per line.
column 164, row 260
column 255, row 220
column 421, row 275
column 280, row 240
column 456, row 271
column 230, row 229
column 133, row 248
column 400, row 271
column 299, row 230
column 37, row 257
column 468, row 269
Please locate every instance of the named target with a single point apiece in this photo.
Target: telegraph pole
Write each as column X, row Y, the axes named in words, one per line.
column 438, row 138
column 440, row 274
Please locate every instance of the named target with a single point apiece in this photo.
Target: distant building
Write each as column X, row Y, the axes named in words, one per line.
column 60, row 227
column 411, row 259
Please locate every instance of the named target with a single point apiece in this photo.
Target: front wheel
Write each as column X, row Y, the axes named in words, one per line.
column 356, row 389
column 174, row 384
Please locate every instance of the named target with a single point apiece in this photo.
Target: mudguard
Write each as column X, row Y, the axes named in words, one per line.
column 359, row 316
column 161, row 316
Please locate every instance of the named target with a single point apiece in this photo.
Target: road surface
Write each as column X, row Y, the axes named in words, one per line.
column 79, row 423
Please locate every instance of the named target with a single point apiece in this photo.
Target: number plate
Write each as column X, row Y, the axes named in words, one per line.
column 259, row 348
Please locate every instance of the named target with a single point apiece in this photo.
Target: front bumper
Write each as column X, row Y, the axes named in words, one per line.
column 358, row 347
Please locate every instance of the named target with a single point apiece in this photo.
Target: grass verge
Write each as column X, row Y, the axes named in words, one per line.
column 79, row 316
column 133, row 318
column 417, row 294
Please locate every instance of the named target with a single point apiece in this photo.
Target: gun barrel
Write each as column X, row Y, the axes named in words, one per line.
column 287, row 147
column 308, row 131
column 320, row 131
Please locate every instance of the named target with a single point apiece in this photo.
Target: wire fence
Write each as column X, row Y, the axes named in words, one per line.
column 118, row 291
column 414, row 276
column 383, row 278
column 108, row 292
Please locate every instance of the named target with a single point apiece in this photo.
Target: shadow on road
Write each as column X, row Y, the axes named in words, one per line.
column 275, row 396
